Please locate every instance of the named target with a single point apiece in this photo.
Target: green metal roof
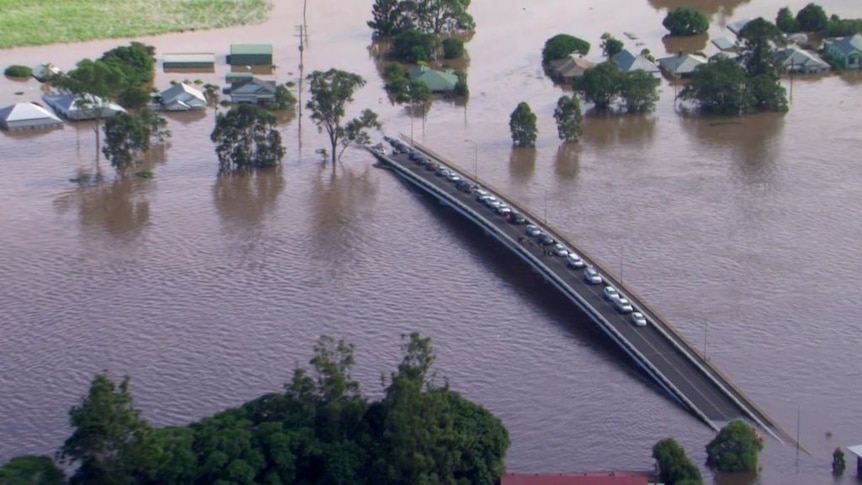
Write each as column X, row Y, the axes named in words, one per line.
column 197, row 58
column 240, row 49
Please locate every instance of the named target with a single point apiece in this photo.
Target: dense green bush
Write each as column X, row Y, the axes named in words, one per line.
column 453, row 48
column 16, row 70
column 561, row 46
column 686, row 21
column 461, row 87
column 414, row 46
column 734, row 449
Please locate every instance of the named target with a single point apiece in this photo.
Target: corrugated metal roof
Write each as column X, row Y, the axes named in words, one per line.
column 856, row 450
column 627, row 61
column 240, row 49
column 197, row 58
column 26, row 111
column 613, row 478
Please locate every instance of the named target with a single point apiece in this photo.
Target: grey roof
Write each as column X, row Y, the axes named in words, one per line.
column 856, row 450
column 801, row 60
column 627, row 62
column 21, row 112
column 181, row 90
column 252, row 85
column 45, row 71
column 70, row 106
column 724, row 44
column 846, row 45
column 571, row 66
column 196, row 58
column 737, row 26
column 680, row 65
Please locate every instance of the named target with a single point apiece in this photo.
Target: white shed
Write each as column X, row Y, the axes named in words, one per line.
column 23, row 116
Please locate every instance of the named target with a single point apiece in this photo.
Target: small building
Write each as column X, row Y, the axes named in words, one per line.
column 857, row 450
column 610, row 478
column 233, row 77
column 796, row 60
column 568, row 69
column 680, row 65
column 75, row 109
column 736, row 27
column 628, row 62
column 201, row 62
column 181, row 97
column 724, row 44
column 45, row 72
column 846, row 49
column 437, row 81
column 253, row 90
column 250, row 55
column 24, row 116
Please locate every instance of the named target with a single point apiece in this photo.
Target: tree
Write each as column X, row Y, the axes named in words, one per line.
column 611, row 46
column 331, row 91
column 686, row 21
column 522, row 124
column 108, row 431
column 247, row 138
column 674, row 466
column 414, row 46
column 600, row 85
column 388, row 18
column 719, row 86
column 761, row 66
column 786, row 22
column 568, row 116
column 838, row 463
column 639, row 91
column 397, row 80
column 734, row 449
column 442, row 16
column 125, row 139
column 812, row 18
column 31, row 470
column 94, row 84
column 453, row 48
column 419, row 95
column 462, row 89
column 284, row 99
column 135, row 61
column 561, row 46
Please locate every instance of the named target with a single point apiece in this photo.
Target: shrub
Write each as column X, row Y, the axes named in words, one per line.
column 561, row 46
column 414, row 46
column 461, row 87
column 17, row 70
column 453, row 48
column 686, row 21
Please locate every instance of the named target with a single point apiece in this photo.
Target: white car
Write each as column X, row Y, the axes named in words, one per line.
column 481, row 193
column 622, row 304
column 454, row 177
column 490, row 200
column 638, row 319
column 560, row 250
column 575, row 261
column 592, row 276
column 493, row 204
column 533, row 231
column 611, row 293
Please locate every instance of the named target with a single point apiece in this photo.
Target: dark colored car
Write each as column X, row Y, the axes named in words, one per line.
column 517, row 218
column 431, row 166
column 546, row 240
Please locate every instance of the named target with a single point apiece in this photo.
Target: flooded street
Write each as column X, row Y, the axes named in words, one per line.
column 208, row 291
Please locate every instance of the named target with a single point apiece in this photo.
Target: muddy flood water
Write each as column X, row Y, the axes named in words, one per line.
column 208, row 290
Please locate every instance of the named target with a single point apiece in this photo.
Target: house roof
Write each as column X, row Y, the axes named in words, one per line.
column 794, row 56
column 252, row 85
column 69, row 103
column 26, row 111
column 436, row 80
column 856, row 450
column 240, row 49
column 737, row 26
column 196, row 58
column 847, row 45
column 627, row 61
column 571, row 66
column 168, row 95
column 724, row 43
column 612, row 478
column 680, row 64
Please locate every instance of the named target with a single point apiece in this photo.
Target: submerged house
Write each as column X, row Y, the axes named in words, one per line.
column 568, row 69
column 200, row 61
column 181, row 97
column 846, row 49
column 252, row 90
column 24, row 116
column 437, row 81
column 250, row 55
column 74, row 108
column 45, row 72
column 796, row 60
column 628, row 62
column 680, row 65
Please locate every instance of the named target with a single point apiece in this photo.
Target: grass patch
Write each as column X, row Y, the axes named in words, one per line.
column 144, row 174
column 724, row 122
column 39, row 22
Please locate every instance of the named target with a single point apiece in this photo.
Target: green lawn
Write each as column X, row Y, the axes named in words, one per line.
column 38, row 22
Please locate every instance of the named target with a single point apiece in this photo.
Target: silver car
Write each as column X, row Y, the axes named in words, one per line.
column 622, row 304
column 639, row 319
column 592, row 276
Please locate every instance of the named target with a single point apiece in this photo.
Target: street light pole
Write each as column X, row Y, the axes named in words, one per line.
column 705, row 329
column 546, row 205
column 475, row 162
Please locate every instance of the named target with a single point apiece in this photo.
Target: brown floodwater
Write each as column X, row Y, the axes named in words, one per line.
column 208, row 290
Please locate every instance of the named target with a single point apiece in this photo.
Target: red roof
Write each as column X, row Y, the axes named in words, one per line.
column 612, row 478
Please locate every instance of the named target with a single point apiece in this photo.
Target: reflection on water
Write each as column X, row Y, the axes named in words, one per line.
column 605, row 131
column 185, row 117
column 120, row 208
column 686, row 44
column 243, row 200
column 709, row 7
column 566, row 163
column 522, row 163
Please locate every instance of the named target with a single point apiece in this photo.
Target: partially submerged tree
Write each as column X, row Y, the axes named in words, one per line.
column 414, row 46
column 568, row 117
column 838, row 462
column 761, row 65
column 786, row 22
column 390, row 17
column 31, row 470
column 94, row 84
column 719, row 87
column 331, row 92
column 812, row 18
column 247, row 138
column 600, row 85
column 686, row 21
column 522, row 124
column 126, row 138
column 735, row 448
column 611, row 46
column 639, row 91
column 674, row 466
column 561, row 46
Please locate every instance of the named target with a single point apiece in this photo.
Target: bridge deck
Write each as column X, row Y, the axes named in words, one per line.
column 658, row 348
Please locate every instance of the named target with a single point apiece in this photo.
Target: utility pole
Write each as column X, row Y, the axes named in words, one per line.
column 302, row 34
